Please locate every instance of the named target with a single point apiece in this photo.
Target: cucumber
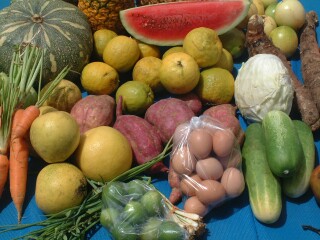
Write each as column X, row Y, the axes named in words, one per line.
column 284, row 150
column 299, row 183
column 263, row 186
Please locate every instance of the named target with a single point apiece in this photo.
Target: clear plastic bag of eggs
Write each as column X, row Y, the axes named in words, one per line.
column 207, row 158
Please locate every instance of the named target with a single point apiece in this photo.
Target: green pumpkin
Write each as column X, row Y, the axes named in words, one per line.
column 59, row 27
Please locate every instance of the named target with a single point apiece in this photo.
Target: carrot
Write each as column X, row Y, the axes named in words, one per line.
column 310, row 56
column 24, row 122
column 4, row 167
column 19, row 154
column 257, row 42
column 18, row 170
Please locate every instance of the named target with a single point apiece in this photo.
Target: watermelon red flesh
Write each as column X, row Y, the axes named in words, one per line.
column 166, row 24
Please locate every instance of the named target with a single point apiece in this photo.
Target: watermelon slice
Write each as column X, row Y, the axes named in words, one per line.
column 166, row 24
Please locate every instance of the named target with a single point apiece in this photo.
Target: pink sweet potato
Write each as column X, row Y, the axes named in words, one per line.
column 94, row 111
column 167, row 114
column 142, row 136
column 193, row 101
column 226, row 115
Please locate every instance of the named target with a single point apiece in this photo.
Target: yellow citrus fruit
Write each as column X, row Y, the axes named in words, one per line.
column 147, row 50
column 225, row 60
column 63, row 178
column 121, row 53
column 64, row 96
column 136, row 97
column 147, row 70
column 179, row 73
column 172, row 50
column 204, row 45
column 99, row 78
column 100, row 39
column 216, row 86
column 55, row 136
column 103, row 153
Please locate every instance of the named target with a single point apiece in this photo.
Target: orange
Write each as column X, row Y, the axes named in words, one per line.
column 172, row 50
column 204, row 45
column 179, row 73
column 216, row 86
column 99, row 78
column 101, row 38
column 225, row 61
column 147, row 50
column 121, row 53
column 147, row 70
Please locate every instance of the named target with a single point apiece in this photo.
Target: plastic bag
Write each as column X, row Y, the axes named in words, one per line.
column 136, row 210
column 207, row 158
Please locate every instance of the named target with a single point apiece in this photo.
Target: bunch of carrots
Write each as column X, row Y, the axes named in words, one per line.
column 15, row 121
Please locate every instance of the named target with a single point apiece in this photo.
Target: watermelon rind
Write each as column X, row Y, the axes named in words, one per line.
column 166, row 24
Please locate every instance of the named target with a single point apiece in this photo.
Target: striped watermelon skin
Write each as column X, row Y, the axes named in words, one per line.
column 59, row 27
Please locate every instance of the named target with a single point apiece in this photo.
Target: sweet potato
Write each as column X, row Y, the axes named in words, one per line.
column 94, row 111
column 193, row 101
column 142, row 136
column 257, row 42
column 167, row 114
column 226, row 115
column 310, row 56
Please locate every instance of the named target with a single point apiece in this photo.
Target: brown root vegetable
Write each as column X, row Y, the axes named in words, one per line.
column 167, row 114
column 94, row 111
column 257, row 42
column 142, row 136
column 310, row 56
column 226, row 115
column 193, row 101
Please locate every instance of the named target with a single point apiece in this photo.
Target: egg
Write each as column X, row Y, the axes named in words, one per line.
column 211, row 192
column 200, row 143
column 193, row 205
column 233, row 182
column 183, row 162
column 180, row 133
column 223, row 142
column 209, row 168
column 190, row 184
column 232, row 160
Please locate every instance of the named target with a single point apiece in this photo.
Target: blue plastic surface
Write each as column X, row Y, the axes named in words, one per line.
column 233, row 220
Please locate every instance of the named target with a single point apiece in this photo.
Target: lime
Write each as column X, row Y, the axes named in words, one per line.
column 136, row 97
column 234, row 42
column 150, row 230
column 136, row 188
column 133, row 213
column 112, row 195
column 109, row 217
column 124, row 231
column 169, row 230
column 153, row 203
